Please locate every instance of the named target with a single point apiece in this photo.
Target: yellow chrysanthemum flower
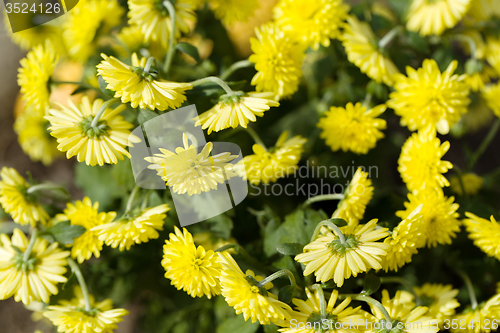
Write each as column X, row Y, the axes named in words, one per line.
column 358, row 194
column 16, row 201
column 439, row 212
column 236, row 109
column 278, row 58
column 184, row 170
column 243, row 292
column 484, row 233
column 480, row 319
column 34, row 76
column 71, row 317
column 493, row 53
column 362, row 48
column 104, row 143
column 420, row 163
column 313, row 22
column 427, row 97
column 268, row 165
column 330, row 257
column 152, row 17
column 189, row 267
column 433, row 17
column 85, row 21
column 440, row 299
column 490, row 93
column 404, row 241
column 308, row 315
column 406, row 317
column 232, row 11
column 471, row 182
column 138, row 226
column 352, row 128
column 34, row 279
column 138, row 85
column 86, row 214
column 34, row 138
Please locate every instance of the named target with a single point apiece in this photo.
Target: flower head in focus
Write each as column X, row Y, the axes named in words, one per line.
column 471, row 183
column 330, row 258
column 189, row 267
column 352, row 128
column 433, row 17
column 85, row 214
column 71, row 316
column 243, row 292
column 278, row 58
column 138, row 226
column 236, row 109
column 138, row 85
column 486, row 312
column 17, row 201
column 36, row 278
column 361, row 46
column 440, row 299
column 484, row 233
column 233, row 11
column 314, row 22
column 100, row 144
column 186, row 171
column 268, row 165
column 427, row 97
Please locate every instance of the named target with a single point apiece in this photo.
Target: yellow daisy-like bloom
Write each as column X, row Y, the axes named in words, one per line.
column 328, row 257
column 137, row 227
column 428, row 97
column 440, row 299
column 314, row 22
column 34, row 279
column 85, row 21
column 139, row 86
column 471, row 182
column 152, row 17
column 493, row 53
column 187, row 171
column 232, row 11
column 404, row 241
column 308, row 315
column 34, row 139
column 352, row 128
column 439, row 212
column 361, row 46
column 190, row 268
column 487, row 312
column 86, row 214
column 243, row 292
column 71, row 317
column 34, row 75
column 16, row 201
column 420, row 163
column 278, row 58
column 268, row 165
column 484, row 233
column 236, row 109
column 104, row 143
column 490, row 93
column 433, row 17
column 406, row 317
column 357, row 195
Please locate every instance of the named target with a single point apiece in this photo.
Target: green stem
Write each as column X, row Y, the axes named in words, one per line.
column 213, row 79
column 171, row 42
column 322, row 303
column 389, row 36
column 255, row 137
column 64, row 82
column 470, row 41
column 234, row 67
column 31, row 244
column 324, row 197
column 103, row 108
column 81, row 282
column 469, row 286
column 131, row 198
column 144, row 203
column 45, row 186
column 149, row 64
column 486, row 142
column 405, row 283
column 276, row 275
column 460, row 180
column 370, row 300
column 332, row 225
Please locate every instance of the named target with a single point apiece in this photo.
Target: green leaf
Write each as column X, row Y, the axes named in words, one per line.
column 221, row 226
column 286, row 294
column 271, row 328
column 103, row 85
column 80, row 89
column 237, row 324
column 145, row 115
column 418, row 42
column 189, row 49
column 290, row 249
column 70, row 283
column 18, row 250
column 98, row 184
column 123, row 175
column 370, row 284
column 64, row 232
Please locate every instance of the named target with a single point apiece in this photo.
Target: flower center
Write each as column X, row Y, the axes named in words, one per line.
column 427, row 300
column 24, row 266
column 92, row 132
column 255, row 286
column 341, row 249
column 149, row 75
column 232, row 99
column 91, row 313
